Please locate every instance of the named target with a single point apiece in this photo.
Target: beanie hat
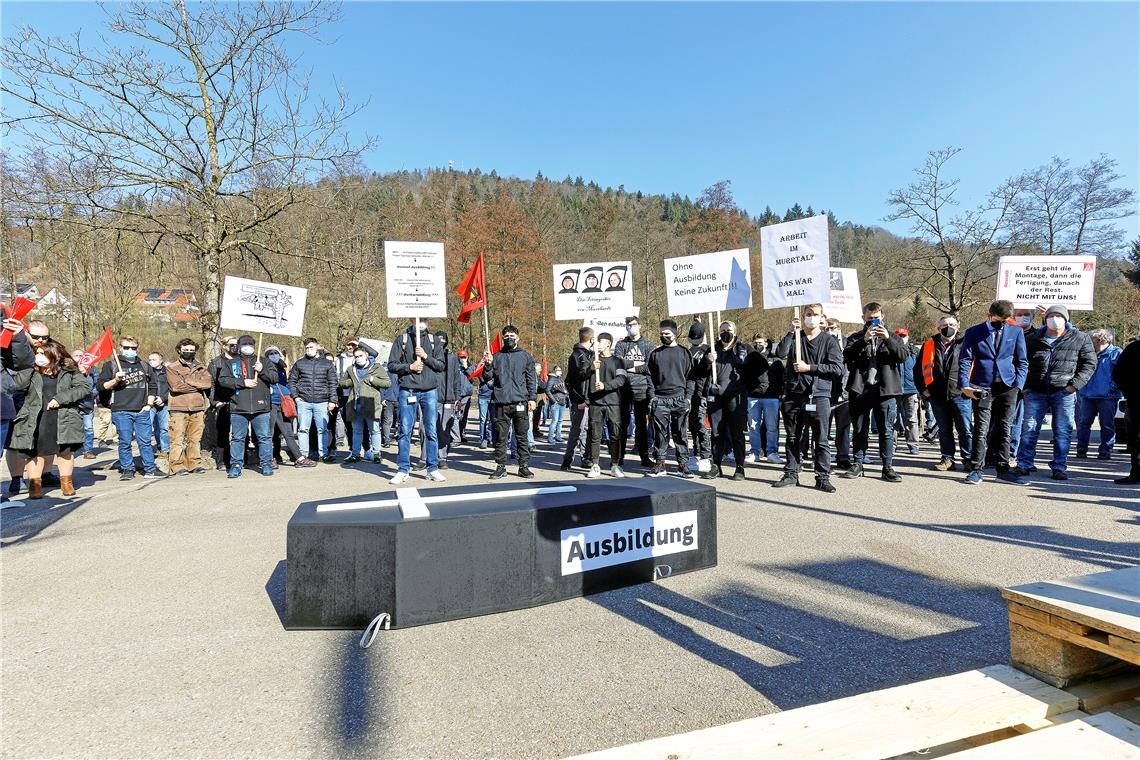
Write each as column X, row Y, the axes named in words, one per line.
column 272, row 350
column 668, row 324
column 696, row 331
column 1058, row 309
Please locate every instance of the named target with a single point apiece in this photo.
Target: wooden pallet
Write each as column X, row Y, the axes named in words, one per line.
column 954, row 712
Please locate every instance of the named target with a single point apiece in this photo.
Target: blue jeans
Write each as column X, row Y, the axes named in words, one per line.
column 358, row 423
column 955, row 415
column 88, row 431
column 162, row 428
column 764, row 412
column 1015, row 428
column 486, row 424
column 554, row 431
column 426, row 402
column 307, row 414
column 1088, row 409
column 137, row 427
column 262, row 431
column 1061, row 406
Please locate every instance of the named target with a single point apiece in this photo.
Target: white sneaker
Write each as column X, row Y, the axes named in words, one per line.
column 595, row 472
column 617, row 472
column 754, row 458
column 437, row 476
column 398, row 478
column 775, row 458
column 704, row 465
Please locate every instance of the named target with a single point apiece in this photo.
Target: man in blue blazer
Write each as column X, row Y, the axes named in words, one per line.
column 992, row 372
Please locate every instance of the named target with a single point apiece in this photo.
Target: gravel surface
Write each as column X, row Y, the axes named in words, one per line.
column 143, row 618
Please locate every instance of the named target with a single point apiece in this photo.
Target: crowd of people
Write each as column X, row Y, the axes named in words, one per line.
column 981, row 395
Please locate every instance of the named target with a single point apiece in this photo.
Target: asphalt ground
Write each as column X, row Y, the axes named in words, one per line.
column 142, row 619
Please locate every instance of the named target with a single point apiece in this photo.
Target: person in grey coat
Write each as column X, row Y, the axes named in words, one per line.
column 49, row 425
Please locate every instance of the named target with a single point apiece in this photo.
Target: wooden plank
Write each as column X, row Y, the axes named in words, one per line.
column 1108, row 601
column 1114, row 646
column 1044, row 618
column 1050, row 657
column 1105, row 737
column 874, row 725
column 1125, row 645
column 1098, row 694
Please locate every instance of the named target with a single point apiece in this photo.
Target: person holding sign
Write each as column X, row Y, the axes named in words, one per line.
column 250, row 382
column 728, row 400
column 417, row 359
column 514, row 392
column 808, row 386
column 609, row 380
column 874, row 357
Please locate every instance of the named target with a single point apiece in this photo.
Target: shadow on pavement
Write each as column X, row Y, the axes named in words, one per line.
column 275, row 590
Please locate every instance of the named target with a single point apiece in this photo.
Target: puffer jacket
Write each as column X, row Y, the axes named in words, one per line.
column 1101, row 385
column 313, row 380
column 70, row 391
column 369, row 390
column 906, row 372
column 1069, row 361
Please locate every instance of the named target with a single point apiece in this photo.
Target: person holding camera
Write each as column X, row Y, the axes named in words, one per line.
column 992, row 368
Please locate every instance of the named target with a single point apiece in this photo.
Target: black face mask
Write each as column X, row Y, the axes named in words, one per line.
column 726, row 337
column 667, row 339
column 997, row 323
column 948, row 332
column 188, row 356
column 510, row 343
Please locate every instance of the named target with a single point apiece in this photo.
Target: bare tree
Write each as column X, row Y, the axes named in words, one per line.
column 954, row 254
column 190, row 123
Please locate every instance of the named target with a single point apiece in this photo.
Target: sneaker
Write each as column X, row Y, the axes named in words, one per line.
column 1021, row 472
column 974, row 478
column 482, row 445
column 351, row 459
column 329, row 459
column 704, row 465
column 659, row 471
column 713, row 472
column 1082, row 455
column 789, row 479
column 1009, row 476
column 891, row 476
column 235, row 472
column 198, row 470
column 843, row 465
column 524, row 472
column 304, row 462
column 436, row 476
column 398, row 478
column 944, row 464
column 685, row 472
column 854, row 471
column 443, row 464
column 1104, row 457
column 122, row 476
column 500, row 472
column 1060, row 475
column 595, row 471
column 824, row 484
column 617, row 472
column 266, row 471
column 180, row 473
column 739, row 474
column 775, row 458
column 565, row 467
column 753, row 459
column 912, row 449
column 155, row 475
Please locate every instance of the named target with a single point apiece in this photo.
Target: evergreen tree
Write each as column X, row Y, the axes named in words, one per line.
column 1134, row 258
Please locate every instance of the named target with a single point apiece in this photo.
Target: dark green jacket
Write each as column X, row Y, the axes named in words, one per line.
column 368, row 390
column 70, row 391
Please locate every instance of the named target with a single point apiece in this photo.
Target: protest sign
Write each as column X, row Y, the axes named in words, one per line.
column 1032, row 280
column 593, row 289
column 708, row 282
column 615, row 325
column 414, row 275
column 796, row 262
column 846, row 304
column 252, row 306
column 383, row 349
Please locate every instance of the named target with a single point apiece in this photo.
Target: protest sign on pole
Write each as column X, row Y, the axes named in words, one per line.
column 614, row 325
column 593, row 289
column 846, row 303
column 252, row 306
column 1030, row 281
column 706, row 282
column 796, row 262
column 414, row 276
column 383, row 348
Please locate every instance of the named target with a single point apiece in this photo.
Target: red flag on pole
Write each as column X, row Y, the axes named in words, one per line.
column 472, row 290
column 545, row 370
column 97, row 352
column 19, row 309
column 496, row 347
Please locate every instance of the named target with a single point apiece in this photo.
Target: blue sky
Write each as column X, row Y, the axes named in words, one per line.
column 825, row 104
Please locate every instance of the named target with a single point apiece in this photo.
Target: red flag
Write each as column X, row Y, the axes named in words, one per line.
column 496, row 347
column 545, row 370
column 21, row 307
column 97, row 352
column 472, row 291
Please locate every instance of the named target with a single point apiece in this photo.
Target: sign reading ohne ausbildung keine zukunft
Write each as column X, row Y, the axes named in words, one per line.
column 1029, row 281
column 706, row 282
column 796, row 262
column 414, row 275
column 593, row 290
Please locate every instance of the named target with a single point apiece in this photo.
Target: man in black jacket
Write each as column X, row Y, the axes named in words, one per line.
column 874, row 357
column 128, row 388
column 670, row 370
column 608, row 379
column 1061, row 362
column 218, row 436
column 417, row 362
column 633, row 350
column 728, row 404
column 807, row 396
column 765, row 382
column 514, row 389
column 936, row 378
column 1126, row 375
column 701, row 375
column 313, row 383
column 579, row 379
column 249, row 381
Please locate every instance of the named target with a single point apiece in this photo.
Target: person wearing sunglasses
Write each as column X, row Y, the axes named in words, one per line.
column 129, row 387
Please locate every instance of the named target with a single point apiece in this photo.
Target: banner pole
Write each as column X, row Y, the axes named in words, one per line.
column 260, row 336
column 799, row 350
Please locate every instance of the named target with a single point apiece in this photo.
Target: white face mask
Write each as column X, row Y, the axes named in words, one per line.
column 156, row 363
column 362, row 361
column 42, row 360
column 633, row 330
column 1055, row 323
column 811, row 321
column 311, row 353
column 1024, row 321
column 247, row 350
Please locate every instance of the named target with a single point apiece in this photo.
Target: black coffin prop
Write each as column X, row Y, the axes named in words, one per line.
column 348, row 562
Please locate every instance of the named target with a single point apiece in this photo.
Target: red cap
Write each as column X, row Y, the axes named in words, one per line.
column 462, row 354
column 902, row 332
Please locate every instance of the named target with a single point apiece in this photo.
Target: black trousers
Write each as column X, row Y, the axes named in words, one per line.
column 669, row 416
column 221, row 449
column 798, row 423
column 508, row 416
column 640, row 410
column 702, row 435
column 283, row 435
column 841, row 415
column 999, row 408
column 728, row 416
column 611, row 416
